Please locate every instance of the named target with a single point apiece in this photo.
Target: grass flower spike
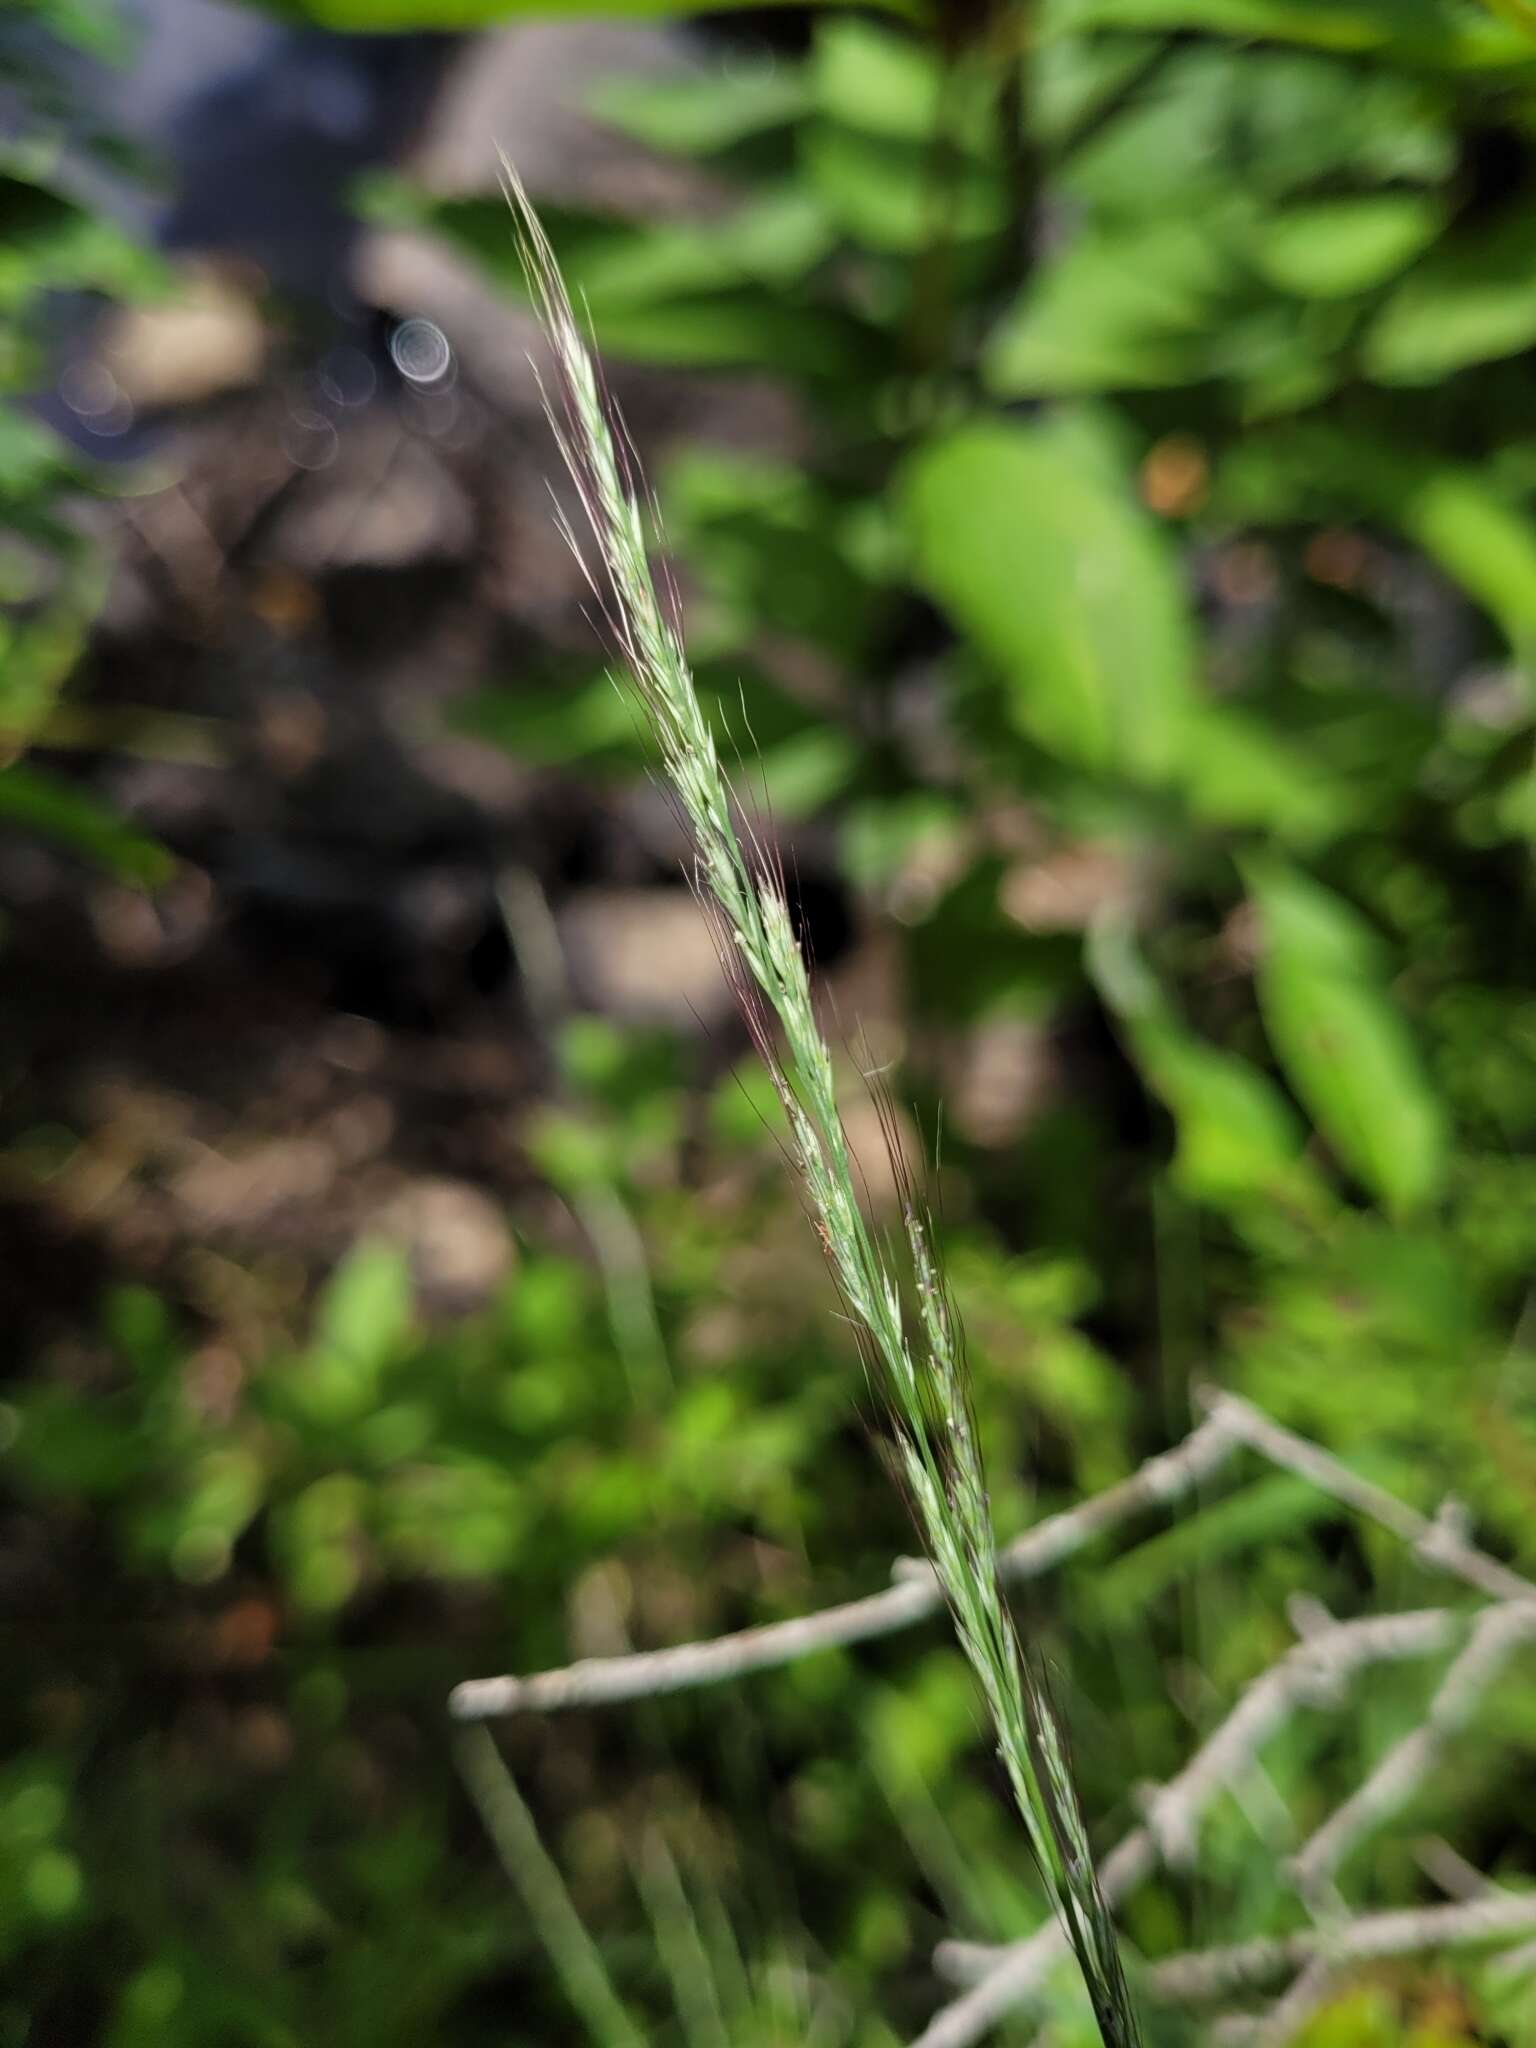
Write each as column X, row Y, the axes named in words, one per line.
column 914, row 1355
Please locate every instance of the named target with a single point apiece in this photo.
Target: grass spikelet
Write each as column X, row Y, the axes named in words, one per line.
column 915, row 1359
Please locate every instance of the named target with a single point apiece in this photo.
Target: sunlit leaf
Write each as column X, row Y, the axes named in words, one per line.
column 1062, row 581
column 366, row 1309
column 1342, row 1041
column 1119, row 309
column 1334, row 247
column 1470, row 300
column 1425, row 31
column 704, row 113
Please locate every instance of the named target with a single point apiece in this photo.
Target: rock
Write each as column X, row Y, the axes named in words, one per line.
column 455, row 1237
column 523, row 90
column 209, row 338
column 647, row 955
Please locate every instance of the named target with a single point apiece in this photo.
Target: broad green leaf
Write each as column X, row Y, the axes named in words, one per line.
column 1119, row 309
column 1275, row 124
column 1431, row 32
column 881, row 81
column 1064, row 583
column 1073, row 77
column 742, row 330
column 1238, row 1139
column 1340, row 1039
column 1469, row 301
column 87, row 24
column 620, row 262
column 770, row 548
column 704, row 114
column 1481, row 540
column 319, row 1538
column 1332, row 248
column 891, row 194
column 870, row 78
column 1239, row 770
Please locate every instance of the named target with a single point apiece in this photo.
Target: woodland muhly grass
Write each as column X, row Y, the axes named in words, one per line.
column 914, row 1356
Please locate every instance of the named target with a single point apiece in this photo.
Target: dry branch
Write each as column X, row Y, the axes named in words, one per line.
column 1438, row 1542
column 1204, row 1975
column 607, row 1681
column 1496, row 1634
column 1317, row 1666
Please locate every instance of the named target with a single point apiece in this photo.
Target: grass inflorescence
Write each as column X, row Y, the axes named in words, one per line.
column 914, row 1355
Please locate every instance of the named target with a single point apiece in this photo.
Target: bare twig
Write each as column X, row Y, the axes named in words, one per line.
column 1496, row 1634
column 1322, row 1663
column 1316, row 1671
column 1230, row 1420
column 1204, row 1975
column 606, row 1681
column 1440, row 1542
column 1308, row 1991
column 1324, row 1660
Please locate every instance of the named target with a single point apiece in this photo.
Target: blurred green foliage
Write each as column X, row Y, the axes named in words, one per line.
column 1147, row 615
column 55, row 244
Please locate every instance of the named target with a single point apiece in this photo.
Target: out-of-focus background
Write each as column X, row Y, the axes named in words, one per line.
column 1096, row 446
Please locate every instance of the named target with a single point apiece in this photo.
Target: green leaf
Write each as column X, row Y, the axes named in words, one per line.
column 1120, row 309
column 41, row 803
column 904, row 154
column 1238, row 1139
column 87, row 24
column 365, row 1312
column 40, row 645
column 706, row 114
column 1471, row 300
column 1480, row 539
column 49, row 243
column 1239, row 770
column 771, row 549
column 717, row 295
column 873, row 79
column 1212, row 121
column 891, row 194
column 1341, row 1040
column 1332, row 248
column 796, row 760
column 1065, row 584
column 1431, row 32
column 591, row 722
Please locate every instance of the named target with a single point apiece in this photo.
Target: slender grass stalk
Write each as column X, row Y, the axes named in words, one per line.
column 915, row 1360
column 538, row 1882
